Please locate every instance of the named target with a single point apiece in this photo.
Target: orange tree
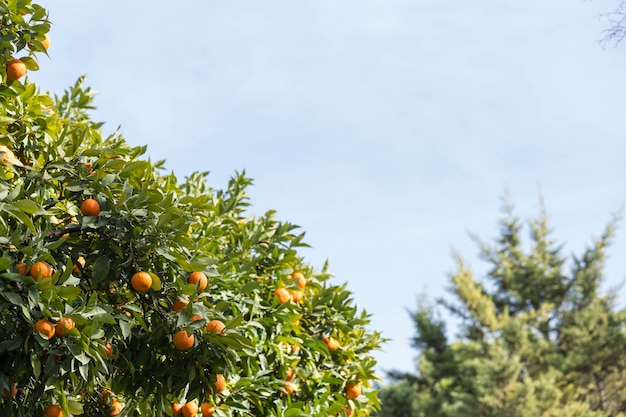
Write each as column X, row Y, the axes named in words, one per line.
column 124, row 291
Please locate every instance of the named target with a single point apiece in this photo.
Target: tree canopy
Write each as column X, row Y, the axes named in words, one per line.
column 537, row 337
column 126, row 291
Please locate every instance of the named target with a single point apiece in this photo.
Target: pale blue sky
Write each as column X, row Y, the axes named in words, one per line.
column 385, row 128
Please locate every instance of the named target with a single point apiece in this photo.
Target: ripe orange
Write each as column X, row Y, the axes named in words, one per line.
column 296, row 296
column 116, row 408
column 289, row 375
column 195, row 317
column 179, row 305
column 141, row 281
column 108, row 349
column 22, row 268
column 207, row 409
column 283, row 295
column 45, row 328
column 300, row 278
column 289, row 388
column 40, row 270
column 90, row 207
column 215, row 326
column 331, row 343
column 54, row 410
column 353, row 391
column 176, row 407
column 220, row 382
column 46, row 42
column 10, row 393
column 190, row 409
column 64, row 326
column 349, row 411
column 183, row 341
column 15, row 69
column 80, row 261
column 196, row 276
column 107, row 395
column 6, row 154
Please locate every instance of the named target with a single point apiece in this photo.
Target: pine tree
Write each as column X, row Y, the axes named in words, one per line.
column 537, row 338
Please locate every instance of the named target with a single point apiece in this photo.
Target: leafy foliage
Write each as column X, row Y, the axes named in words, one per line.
column 121, row 352
column 535, row 338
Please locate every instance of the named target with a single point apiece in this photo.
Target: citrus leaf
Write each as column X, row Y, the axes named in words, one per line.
column 30, row 63
column 101, row 269
column 156, row 281
column 74, row 407
column 4, row 263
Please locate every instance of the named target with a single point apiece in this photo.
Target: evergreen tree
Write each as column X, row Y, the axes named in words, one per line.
column 537, row 338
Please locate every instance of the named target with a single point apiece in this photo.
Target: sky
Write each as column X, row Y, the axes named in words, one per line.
column 386, row 129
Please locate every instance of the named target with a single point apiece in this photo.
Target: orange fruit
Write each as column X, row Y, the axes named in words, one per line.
column 80, row 261
column 22, row 268
column 116, row 408
column 46, row 42
column 45, row 328
column 176, row 407
column 40, row 270
column 6, row 154
column 106, row 395
column 283, row 295
column 215, row 326
column 331, row 343
column 90, row 207
column 300, row 278
column 353, row 390
column 64, row 326
column 196, row 276
column 190, row 409
column 207, row 409
column 289, row 375
column 220, row 382
column 349, row 411
column 296, row 296
column 54, row 410
column 15, row 69
column 289, row 388
column 195, row 317
column 179, row 305
column 108, row 349
column 183, row 341
column 11, row 393
column 141, row 281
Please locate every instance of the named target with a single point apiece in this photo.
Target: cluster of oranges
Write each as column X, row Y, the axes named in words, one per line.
column 42, row 270
column 190, row 409
column 62, row 328
column 352, row 389
column 284, row 295
column 16, row 69
column 142, row 282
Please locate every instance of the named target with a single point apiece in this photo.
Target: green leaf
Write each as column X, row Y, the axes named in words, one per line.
column 13, row 298
column 27, row 206
column 30, row 63
column 4, row 263
column 101, row 269
column 74, row 407
column 19, row 214
column 68, row 293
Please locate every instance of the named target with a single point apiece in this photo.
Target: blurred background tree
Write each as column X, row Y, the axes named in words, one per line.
column 536, row 336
